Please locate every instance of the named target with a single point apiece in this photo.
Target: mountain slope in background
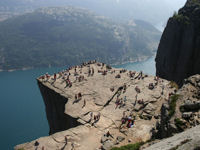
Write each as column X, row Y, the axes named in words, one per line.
column 152, row 11
column 58, row 36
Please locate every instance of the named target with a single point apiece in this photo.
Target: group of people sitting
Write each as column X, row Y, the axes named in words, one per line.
column 127, row 121
column 65, row 74
column 77, row 97
column 95, row 118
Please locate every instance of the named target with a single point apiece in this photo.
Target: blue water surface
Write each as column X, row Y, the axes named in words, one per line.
column 22, row 110
column 147, row 66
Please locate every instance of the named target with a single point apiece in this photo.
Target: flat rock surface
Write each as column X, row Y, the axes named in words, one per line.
column 100, row 93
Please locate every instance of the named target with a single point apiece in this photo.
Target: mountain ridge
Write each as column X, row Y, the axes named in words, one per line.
column 58, row 36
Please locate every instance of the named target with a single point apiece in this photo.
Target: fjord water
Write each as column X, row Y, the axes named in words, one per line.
column 147, row 66
column 22, row 110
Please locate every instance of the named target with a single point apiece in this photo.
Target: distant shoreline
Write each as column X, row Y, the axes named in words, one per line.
column 12, row 70
column 114, row 64
column 133, row 61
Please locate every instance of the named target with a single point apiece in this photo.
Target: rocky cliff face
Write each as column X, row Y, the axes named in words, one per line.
column 188, row 140
column 55, row 107
column 181, row 111
column 178, row 52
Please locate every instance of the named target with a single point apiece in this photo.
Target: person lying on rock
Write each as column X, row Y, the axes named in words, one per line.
column 137, row 89
column 118, row 76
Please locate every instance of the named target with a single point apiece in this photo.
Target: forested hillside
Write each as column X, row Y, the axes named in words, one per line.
column 63, row 36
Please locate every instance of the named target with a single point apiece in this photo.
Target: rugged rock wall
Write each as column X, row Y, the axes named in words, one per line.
column 179, row 49
column 181, row 111
column 55, row 107
column 188, row 140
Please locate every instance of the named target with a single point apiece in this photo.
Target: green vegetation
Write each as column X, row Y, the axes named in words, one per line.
column 69, row 36
column 172, row 104
column 181, row 18
column 195, row 1
column 135, row 146
column 179, row 124
column 181, row 108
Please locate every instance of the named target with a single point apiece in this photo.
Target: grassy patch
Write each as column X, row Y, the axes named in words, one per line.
column 135, row 146
column 179, row 123
column 181, row 18
column 172, row 104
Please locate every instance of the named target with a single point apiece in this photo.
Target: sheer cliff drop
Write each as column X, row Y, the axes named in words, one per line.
column 178, row 52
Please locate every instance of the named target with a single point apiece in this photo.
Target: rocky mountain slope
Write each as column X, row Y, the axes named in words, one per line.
column 89, row 100
column 178, row 52
column 188, row 140
column 116, row 9
column 182, row 111
column 60, row 36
